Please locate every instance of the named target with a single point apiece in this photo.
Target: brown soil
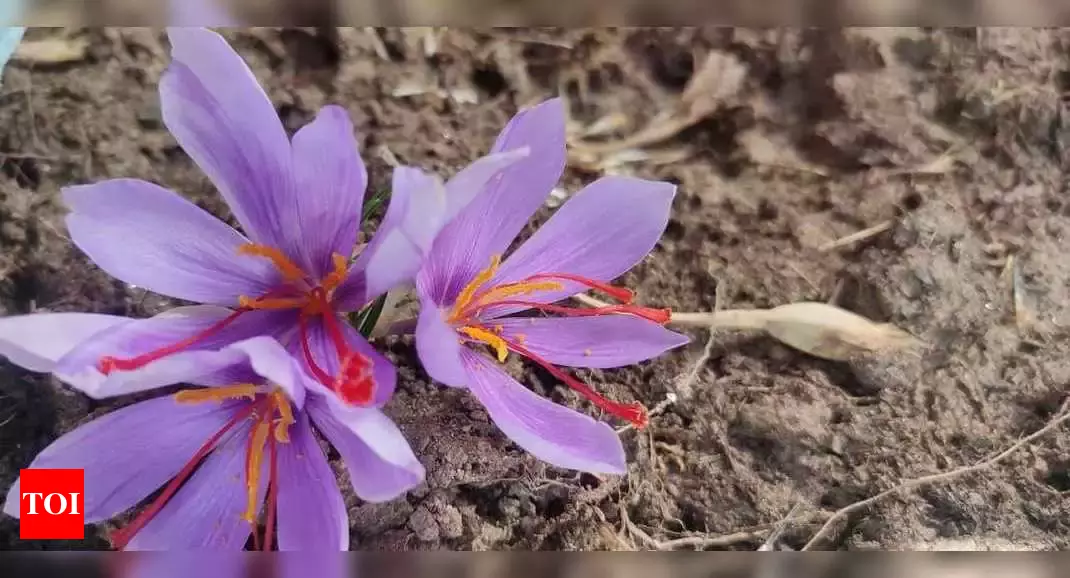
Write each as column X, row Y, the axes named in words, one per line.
column 826, row 134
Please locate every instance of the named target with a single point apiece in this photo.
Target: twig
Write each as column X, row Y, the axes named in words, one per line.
column 1061, row 417
column 710, row 541
column 857, row 236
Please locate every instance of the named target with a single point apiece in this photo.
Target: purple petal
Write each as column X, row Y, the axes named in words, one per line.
column 148, row 236
column 213, row 105
column 129, row 453
column 207, row 356
column 198, row 13
column 600, row 233
column 380, row 462
column 551, row 432
column 438, row 346
column 312, row 514
column 325, row 355
column 206, row 513
column 597, row 342
column 331, row 179
column 490, row 222
column 37, row 341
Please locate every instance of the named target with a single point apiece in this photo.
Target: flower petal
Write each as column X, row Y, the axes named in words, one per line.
column 551, row 432
column 129, row 453
column 325, row 355
column 206, row 513
column 148, row 236
column 312, row 514
column 505, row 204
column 600, row 233
column 215, row 108
column 204, row 358
column 38, row 340
column 438, row 347
column 331, row 180
column 597, row 342
column 380, row 462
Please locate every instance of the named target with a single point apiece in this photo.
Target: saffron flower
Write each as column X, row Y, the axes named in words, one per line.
column 294, row 273
column 470, row 297
column 228, row 455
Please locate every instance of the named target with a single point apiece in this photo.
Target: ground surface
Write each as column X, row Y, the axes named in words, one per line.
column 958, row 139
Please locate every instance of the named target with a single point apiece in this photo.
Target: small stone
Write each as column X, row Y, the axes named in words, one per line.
column 423, row 524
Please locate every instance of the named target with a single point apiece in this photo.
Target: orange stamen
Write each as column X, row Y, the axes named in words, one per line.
column 336, row 277
column 622, row 294
column 254, row 459
column 108, row 364
column 469, row 291
column 286, row 267
column 272, row 497
column 244, row 390
column 271, row 303
column 501, row 348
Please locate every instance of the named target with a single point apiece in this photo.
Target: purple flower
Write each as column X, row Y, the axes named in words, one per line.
column 600, row 233
column 292, row 274
column 238, row 451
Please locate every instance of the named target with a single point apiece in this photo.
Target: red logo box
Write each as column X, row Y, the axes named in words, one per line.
column 51, row 504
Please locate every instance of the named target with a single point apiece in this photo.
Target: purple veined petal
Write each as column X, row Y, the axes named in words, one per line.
column 182, row 565
column 215, row 108
column 331, row 181
column 600, row 233
column 272, row 364
column 78, row 368
column 325, row 354
column 394, row 255
column 311, row 512
column 199, row 13
column 494, row 218
column 148, row 236
column 551, row 432
column 439, row 348
column 206, row 513
column 380, row 462
column 38, row 340
column 596, row 342
column 129, row 453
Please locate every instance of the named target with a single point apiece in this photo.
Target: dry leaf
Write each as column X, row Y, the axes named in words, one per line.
column 52, row 50
column 829, row 332
column 718, row 81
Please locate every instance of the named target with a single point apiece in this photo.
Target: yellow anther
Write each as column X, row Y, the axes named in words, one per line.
column 496, row 342
column 246, row 390
column 336, row 277
column 286, row 417
column 470, row 289
column 289, row 270
column 272, row 303
column 252, row 473
column 514, row 289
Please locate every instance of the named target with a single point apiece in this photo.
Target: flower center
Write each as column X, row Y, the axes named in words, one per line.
column 271, row 416
column 354, row 382
column 466, row 316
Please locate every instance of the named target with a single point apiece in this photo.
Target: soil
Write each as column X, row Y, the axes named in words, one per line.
column 957, row 137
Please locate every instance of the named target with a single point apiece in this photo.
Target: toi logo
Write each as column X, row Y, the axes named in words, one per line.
column 50, row 504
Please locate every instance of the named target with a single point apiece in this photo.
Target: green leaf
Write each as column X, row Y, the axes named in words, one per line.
column 376, row 201
column 370, row 316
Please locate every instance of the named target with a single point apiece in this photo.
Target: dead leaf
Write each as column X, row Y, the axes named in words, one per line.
column 717, row 82
column 826, row 331
column 52, row 50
